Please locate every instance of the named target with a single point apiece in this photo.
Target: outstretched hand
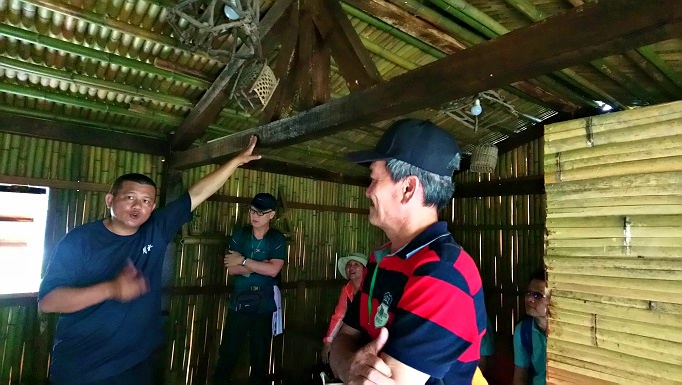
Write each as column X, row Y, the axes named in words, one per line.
column 247, row 154
column 367, row 367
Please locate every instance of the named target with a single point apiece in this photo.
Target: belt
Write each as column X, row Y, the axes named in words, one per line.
column 255, row 288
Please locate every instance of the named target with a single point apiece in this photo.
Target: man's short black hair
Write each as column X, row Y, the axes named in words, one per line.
column 132, row 177
column 540, row 274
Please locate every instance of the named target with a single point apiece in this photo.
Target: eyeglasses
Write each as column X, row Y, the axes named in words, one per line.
column 534, row 294
column 259, row 213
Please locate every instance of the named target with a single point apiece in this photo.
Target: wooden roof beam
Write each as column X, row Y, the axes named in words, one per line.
column 215, row 98
column 73, row 133
column 598, row 30
column 351, row 56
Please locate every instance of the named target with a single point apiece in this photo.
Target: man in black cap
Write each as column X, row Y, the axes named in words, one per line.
column 419, row 315
column 255, row 256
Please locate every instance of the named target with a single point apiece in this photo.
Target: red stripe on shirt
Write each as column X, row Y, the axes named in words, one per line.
column 466, row 266
column 427, row 296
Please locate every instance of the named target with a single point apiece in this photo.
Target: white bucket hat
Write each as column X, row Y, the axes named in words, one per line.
column 343, row 261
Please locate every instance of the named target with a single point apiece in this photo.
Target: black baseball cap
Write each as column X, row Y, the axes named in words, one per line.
column 264, row 202
column 420, row 143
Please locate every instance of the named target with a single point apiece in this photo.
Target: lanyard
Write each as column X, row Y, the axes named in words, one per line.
column 379, row 256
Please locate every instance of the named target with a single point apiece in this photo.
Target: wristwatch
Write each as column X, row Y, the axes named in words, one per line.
column 244, row 262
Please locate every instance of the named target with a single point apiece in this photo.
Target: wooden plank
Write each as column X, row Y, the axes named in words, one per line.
column 46, row 129
column 283, row 67
column 320, row 71
column 306, row 41
column 214, row 99
column 291, row 169
column 355, row 64
column 293, row 205
column 502, row 187
column 599, row 29
column 54, row 183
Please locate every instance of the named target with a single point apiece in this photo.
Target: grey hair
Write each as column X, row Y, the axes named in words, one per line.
column 438, row 189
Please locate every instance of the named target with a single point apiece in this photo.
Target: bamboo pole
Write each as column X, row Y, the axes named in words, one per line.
column 103, row 19
column 93, row 54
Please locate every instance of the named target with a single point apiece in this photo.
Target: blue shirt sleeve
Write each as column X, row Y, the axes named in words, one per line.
column 171, row 217
column 64, row 268
column 236, row 242
column 278, row 247
column 521, row 357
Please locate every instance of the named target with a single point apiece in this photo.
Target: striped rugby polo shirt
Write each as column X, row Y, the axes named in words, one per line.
column 429, row 296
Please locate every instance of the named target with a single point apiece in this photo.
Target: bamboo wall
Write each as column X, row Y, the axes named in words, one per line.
column 504, row 234
column 318, row 238
column 327, row 220
column 614, row 219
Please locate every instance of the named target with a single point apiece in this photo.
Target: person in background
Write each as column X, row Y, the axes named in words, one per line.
column 420, row 314
column 352, row 268
column 487, row 349
column 255, row 257
column 530, row 335
column 104, row 279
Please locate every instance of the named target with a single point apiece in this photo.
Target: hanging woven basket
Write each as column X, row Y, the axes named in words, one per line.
column 255, row 86
column 484, row 158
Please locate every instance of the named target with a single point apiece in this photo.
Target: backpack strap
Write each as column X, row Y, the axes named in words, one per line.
column 527, row 326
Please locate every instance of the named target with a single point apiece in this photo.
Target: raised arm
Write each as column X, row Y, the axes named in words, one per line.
column 212, row 182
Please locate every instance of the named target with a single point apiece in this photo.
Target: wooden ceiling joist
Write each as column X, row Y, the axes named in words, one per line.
column 597, row 30
column 72, row 133
column 214, row 99
column 350, row 55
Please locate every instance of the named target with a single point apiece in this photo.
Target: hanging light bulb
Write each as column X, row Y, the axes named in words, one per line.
column 476, row 109
column 230, row 10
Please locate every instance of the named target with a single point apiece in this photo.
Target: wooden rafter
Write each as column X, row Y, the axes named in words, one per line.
column 214, row 99
column 355, row 64
column 46, row 129
column 285, row 62
column 598, row 29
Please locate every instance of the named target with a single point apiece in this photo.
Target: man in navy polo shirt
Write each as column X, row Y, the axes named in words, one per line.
column 420, row 315
column 105, row 279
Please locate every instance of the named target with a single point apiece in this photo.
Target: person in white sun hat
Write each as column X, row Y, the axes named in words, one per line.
column 352, row 268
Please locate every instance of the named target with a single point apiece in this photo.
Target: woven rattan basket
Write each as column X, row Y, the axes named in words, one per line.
column 484, row 158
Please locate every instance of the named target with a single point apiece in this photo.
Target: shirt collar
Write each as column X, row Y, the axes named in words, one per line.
column 429, row 235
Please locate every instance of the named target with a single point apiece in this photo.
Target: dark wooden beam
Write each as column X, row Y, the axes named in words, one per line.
column 283, row 67
column 321, row 71
column 292, row 205
column 306, row 41
column 215, row 98
column 355, row 64
column 530, row 185
column 54, row 183
column 597, row 30
column 90, row 136
column 298, row 170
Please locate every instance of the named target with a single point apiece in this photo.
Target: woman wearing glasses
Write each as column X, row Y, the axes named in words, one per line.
column 530, row 335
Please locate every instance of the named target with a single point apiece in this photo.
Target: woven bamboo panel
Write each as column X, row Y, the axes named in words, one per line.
column 614, row 247
column 318, row 238
column 503, row 234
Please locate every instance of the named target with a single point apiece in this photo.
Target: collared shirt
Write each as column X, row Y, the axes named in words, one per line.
column 429, row 296
column 345, row 298
column 523, row 358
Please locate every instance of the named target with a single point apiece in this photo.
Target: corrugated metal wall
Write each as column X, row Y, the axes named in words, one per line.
column 327, row 220
column 503, row 234
column 614, row 219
